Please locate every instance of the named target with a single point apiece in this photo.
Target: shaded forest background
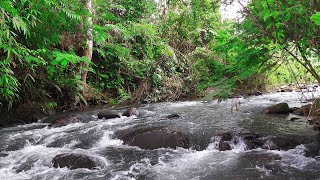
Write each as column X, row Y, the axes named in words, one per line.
column 147, row 51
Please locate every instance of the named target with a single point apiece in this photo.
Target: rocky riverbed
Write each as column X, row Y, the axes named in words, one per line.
column 174, row 140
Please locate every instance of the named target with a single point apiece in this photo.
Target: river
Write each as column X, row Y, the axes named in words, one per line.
column 26, row 151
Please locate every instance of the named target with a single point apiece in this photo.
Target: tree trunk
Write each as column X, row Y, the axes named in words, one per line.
column 87, row 51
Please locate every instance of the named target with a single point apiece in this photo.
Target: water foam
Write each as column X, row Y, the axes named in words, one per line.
column 295, row 158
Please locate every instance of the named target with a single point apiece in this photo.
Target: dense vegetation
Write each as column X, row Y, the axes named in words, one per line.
column 68, row 53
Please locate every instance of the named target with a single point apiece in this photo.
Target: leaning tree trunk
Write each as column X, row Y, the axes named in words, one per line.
column 87, row 51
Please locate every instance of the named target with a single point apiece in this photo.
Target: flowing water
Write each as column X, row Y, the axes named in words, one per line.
column 26, row 151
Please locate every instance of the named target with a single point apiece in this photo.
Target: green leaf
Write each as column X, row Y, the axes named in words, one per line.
column 316, row 18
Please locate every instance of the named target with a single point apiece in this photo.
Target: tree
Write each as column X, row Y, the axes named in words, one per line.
column 88, row 49
column 286, row 26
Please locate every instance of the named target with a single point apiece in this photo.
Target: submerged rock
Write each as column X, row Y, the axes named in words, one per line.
column 157, row 138
column 292, row 117
column 225, row 136
column 281, row 108
column 224, row 146
column 293, row 109
column 284, row 143
column 107, row 114
column 73, row 161
column 249, row 135
column 3, row 154
column 312, row 149
column 172, row 116
column 131, row 112
column 260, row 157
column 65, row 120
column 251, row 140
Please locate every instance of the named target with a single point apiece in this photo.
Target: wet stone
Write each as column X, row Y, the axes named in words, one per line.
column 173, row 116
column 131, row 112
column 303, row 111
column 284, row 143
column 224, row 146
column 249, row 136
column 107, row 114
column 224, row 136
column 281, row 108
column 73, row 161
column 3, row 154
column 312, row 150
column 69, row 119
column 157, row 138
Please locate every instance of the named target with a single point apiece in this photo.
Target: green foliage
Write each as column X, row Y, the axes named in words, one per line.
column 150, row 50
column 316, row 18
column 28, row 30
column 270, row 32
column 289, row 72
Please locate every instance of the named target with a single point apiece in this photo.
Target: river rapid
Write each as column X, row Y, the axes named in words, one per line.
column 26, row 151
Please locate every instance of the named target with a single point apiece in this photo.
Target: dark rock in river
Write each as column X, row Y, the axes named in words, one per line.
column 312, row 149
column 73, row 161
column 172, row 116
column 157, row 138
column 224, row 146
column 292, row 117
column 249, row 136
column 131, row 112
column 303, row 111
column 107, row 114
column 256, row 93
column 251, row 140
column 225, row 136
column 3, row 154
column 316, row 124
column 313, row 109
column 69, row 119
column 284, row 143
column 293, row 109
column 281, row 108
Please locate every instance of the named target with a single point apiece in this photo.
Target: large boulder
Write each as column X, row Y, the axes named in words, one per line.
column 281, row 108
column 156, row 138
column 73, row 161
column 65, row 120
column 131, row 112
column 107, row 114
